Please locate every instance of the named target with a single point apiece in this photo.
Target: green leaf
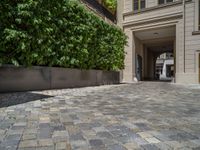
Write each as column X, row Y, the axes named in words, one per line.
column 15, row 62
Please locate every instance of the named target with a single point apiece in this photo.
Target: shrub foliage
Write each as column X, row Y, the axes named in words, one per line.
column 110, row 5
column 58, row 33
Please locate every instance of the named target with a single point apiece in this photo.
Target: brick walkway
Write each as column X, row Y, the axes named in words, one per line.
column 149, row 115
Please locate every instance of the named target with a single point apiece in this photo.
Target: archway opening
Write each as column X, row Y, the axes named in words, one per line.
column 155, row 54
column 164, row 67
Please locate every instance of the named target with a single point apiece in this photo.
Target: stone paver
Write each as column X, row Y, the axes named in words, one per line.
column 138, row 116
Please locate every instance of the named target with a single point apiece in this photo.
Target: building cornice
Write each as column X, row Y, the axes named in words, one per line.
column 168, row 17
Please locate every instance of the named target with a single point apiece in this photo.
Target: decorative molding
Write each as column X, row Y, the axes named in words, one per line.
column 173, row 16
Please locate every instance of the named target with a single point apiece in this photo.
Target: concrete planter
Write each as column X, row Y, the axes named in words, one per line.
column 14, row 79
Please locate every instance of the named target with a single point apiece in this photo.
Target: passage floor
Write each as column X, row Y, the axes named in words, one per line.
column 146, row 115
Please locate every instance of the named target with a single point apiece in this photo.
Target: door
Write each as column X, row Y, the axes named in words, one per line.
column 139, row 67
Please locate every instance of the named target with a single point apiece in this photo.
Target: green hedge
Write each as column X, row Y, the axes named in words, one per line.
column 58, row 33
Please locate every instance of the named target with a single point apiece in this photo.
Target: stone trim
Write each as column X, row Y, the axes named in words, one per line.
column 154, row 19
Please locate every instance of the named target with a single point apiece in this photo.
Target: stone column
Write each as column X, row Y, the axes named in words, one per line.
column 129, row 71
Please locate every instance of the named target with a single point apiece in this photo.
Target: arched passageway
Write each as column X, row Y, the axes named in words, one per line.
column 152, row 47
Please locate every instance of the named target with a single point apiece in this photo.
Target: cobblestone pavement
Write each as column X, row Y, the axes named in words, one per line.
column 146, row 115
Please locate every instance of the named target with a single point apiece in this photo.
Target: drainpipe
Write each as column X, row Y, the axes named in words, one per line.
column 184, row 34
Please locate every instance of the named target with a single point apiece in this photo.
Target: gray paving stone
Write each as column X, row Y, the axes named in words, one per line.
column 59, row 127
column 61, row 146
column 2, row 132
column 116, row 147
column 140, row 141
column 28, row 144
column 11, row 148
column 20, row 124
column 5, row 125
column 45, row 143
column 14, row 132
column 142, row 126
column 96, row 142
column 2, row 147
column 46, row 148
column 77, row 137
column 150, row 147
column 45, row 133
column 124, row 139
column 26, row 148
column 16, row 137
column 196, row 148
column 147, row 115
column 132, row 146
column 197, row 142
column 162, row 137
column 29, row 136
column 163, row 146
column 99, row 129
column 59, row 136
column 183, row 137
column 10, row 143
column 104, row 135
column 44, row 125
column 78, row 144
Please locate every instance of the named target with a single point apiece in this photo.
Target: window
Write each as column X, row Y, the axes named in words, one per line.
column 199, row 15
column 161, row 2
column 197, row 18
column 142, row 4
column 138, row 5
column 164, row 1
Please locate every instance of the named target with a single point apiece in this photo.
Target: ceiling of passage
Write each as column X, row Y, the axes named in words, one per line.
column 164, row 48
column 157, row 33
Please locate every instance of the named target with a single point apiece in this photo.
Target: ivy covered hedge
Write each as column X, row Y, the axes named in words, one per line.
column 58, row 33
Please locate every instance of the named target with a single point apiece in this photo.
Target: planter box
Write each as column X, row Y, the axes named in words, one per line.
column 13, row 79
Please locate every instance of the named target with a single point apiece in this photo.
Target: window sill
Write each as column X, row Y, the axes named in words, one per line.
column 196, row 33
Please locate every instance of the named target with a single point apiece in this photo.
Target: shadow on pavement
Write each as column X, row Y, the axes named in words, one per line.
column 10, row 99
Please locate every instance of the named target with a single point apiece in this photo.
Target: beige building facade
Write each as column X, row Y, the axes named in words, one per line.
column 154, row 27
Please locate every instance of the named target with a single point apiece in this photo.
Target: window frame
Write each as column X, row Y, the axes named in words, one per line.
column 199, row 15
column 139, row 5
column 165, row 2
